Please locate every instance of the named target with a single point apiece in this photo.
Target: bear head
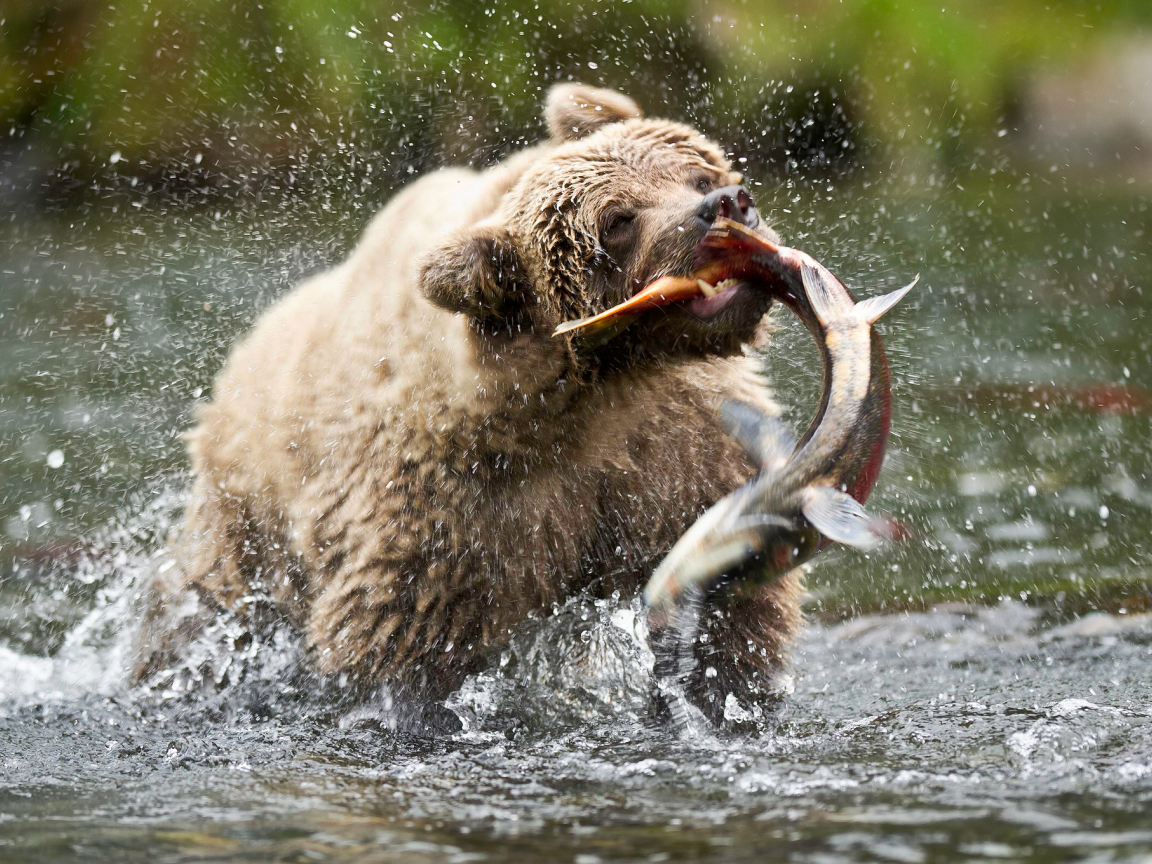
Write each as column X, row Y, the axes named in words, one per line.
column 614, row 203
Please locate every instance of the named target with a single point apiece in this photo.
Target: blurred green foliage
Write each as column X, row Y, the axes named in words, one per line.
column 244, row 88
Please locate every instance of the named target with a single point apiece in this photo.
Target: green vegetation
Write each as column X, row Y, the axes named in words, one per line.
column 235, row 88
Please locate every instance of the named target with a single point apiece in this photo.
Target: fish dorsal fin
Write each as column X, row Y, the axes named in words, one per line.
column 727, row 238
column 873, row 308
column 839, row 516
column 714, row 245
column 767, row 441
column 829, row 299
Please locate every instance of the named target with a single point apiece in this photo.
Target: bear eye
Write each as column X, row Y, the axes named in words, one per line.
column 704, row 184
column 616, row 227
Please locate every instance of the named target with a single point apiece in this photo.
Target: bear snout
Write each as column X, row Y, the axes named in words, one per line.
column 728, row 202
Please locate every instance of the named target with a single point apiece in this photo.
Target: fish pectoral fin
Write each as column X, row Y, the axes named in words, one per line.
column 839, row 516
column 873, row 308
column 767, row 441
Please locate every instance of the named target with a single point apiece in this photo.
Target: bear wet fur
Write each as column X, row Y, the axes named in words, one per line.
column 404, row 463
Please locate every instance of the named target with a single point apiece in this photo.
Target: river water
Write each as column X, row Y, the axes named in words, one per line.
column 978, row 691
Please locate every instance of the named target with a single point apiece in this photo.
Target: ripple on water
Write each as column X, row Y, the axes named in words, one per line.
column 962, row 732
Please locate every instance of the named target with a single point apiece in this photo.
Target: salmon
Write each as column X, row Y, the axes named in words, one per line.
column 807, row 493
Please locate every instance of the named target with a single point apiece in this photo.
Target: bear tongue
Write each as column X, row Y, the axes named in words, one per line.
column 711, row 302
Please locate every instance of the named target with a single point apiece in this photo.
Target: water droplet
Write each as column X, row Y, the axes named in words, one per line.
column 55, row 458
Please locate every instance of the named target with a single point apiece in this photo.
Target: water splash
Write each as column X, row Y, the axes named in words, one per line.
column 586, row 663
column 116, row 565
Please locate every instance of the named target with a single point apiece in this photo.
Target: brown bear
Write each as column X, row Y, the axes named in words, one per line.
column 404, row 462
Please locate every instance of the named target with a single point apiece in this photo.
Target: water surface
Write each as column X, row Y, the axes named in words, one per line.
column 978, row 691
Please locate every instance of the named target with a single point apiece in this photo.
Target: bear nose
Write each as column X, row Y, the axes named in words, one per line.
column 728, row 202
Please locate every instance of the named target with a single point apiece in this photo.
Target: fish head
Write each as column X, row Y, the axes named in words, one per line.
column 744, row 537
column 783, row 551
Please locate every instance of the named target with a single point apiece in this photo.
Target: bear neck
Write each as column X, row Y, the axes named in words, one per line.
column 530, row 399
column 511, row 395
column 527, row 397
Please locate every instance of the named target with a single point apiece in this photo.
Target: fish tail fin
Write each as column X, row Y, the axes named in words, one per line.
column 828, row 297
column 873, row 308
column 593, row 332
column 574, row 324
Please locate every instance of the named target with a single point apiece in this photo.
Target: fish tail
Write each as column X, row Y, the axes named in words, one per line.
column 830, row 300
column 873, row 308
column 597, row 329
column 574, row 324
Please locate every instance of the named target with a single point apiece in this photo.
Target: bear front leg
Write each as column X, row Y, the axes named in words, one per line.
column 745, row 632
column 218, row 547
column 208, row 575
column 412, row 626
column 740, row 637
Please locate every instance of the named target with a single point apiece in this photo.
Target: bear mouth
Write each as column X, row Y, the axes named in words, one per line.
column 718, row 297
column 696, row 295
column 713, row 299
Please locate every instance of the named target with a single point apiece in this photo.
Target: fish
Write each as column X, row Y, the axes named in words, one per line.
column 807, row 493
column 707, row 280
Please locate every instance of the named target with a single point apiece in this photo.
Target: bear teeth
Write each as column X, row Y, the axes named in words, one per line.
column 710, row 290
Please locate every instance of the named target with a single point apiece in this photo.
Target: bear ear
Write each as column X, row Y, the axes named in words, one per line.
column 575, row 110
column 476, row 271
